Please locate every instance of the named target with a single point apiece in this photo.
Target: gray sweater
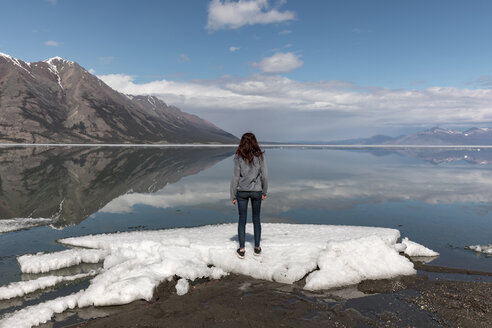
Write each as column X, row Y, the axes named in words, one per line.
column 249, row 177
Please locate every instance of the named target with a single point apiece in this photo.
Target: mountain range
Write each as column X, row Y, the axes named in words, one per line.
column 58, row 101
column 435, row 136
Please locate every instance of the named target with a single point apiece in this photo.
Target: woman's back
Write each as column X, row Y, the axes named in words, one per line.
column 249, row 176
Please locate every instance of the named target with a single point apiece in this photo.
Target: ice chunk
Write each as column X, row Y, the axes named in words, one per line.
column 21, row 288
column 351, row 261
column 182, row 286
column 40, row 263
column 400, row 248
column 486, row 249
column 39, row 313
column 415, row 249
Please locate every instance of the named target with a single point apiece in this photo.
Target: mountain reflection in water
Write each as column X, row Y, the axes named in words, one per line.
column 471, row 155
column 68, row 184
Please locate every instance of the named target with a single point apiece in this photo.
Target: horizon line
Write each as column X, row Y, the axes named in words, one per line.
column 266, row 145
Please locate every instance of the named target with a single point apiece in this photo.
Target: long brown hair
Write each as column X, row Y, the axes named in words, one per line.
column 248, row 148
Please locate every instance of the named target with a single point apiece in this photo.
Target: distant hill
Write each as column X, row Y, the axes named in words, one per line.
column 58, row 101
column 434, row 136
column 374, row 140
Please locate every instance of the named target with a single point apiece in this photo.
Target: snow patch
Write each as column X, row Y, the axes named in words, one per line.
column 136, row 262
column 52, row 66
column 151, row 101
column 53, row 69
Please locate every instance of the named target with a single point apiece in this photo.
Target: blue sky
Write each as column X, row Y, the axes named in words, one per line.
column 287, row 70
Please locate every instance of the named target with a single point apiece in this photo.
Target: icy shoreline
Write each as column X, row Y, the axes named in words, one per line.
column 9, row 225
column 135, row 263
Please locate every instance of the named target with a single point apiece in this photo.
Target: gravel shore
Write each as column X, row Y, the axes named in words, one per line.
column 424, row 300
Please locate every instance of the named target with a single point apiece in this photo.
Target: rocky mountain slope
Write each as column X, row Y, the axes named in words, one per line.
column 58, row 101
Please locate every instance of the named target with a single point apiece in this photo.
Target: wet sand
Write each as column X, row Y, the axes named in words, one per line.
column 239, row 301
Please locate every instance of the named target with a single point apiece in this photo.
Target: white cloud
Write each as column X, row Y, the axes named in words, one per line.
column 232, row 49
column 280, row 63
column 234, row 14
column 285, row 32
column 120, row 82
column 91, row 70
column 182, row 58
column 52, row 43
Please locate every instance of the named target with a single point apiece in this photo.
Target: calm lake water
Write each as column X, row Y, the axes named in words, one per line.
column 439, row 198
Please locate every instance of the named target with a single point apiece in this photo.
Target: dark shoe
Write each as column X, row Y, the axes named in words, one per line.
column 240, row 253
column 257, row 251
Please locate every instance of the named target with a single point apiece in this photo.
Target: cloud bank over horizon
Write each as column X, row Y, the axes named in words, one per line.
column 337, row 101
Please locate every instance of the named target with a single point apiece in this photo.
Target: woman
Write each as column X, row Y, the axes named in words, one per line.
column 249, row 181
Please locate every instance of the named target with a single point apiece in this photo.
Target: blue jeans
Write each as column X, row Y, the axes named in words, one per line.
column 242, row 204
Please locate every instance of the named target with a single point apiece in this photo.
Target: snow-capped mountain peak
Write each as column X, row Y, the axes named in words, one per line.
column 438, row 130
column 58, row 60
column 8, row 57
column 5, row 55
column 17, row 62
column 55, row 60
column 477, row 131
